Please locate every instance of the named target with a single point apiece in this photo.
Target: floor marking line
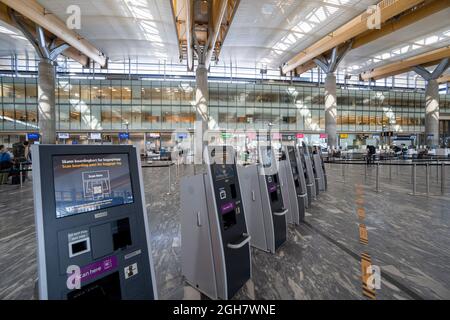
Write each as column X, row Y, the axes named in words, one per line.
column 384, row 275
column 366, row 273
column 366, row 261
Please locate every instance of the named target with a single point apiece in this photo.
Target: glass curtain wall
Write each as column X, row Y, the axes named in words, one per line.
column 117, row 105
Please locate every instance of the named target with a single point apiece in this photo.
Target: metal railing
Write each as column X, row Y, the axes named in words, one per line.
column 428, row 178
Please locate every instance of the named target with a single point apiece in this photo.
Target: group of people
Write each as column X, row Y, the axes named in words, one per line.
column 10, row 161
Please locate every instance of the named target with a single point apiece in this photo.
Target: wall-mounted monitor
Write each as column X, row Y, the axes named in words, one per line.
column 124, row 135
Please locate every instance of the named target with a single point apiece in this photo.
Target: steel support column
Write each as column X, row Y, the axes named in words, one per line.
column 201, row 108
column 329, row 66
column 432, row 101
column 46, row 101
column 331, row 110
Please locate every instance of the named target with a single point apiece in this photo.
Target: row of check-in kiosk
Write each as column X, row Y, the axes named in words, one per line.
column 92, row 228
column 233, row 207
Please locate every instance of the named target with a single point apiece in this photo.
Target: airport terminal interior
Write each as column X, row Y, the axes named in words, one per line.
column 224, row 149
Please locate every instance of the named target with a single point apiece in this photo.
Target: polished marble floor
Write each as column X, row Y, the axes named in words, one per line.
column 409, row 239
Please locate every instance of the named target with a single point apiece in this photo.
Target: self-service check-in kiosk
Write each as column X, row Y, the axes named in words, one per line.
column 263, row 202
column 215, row 242
column 325, row 178
column 287, row 185
column 300, row 191
column 309, row 174
column 318, row 168
column 91, row 223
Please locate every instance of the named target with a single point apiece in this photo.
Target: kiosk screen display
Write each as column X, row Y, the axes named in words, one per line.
column 85, row 183
column 266, row 156
column 223, row 172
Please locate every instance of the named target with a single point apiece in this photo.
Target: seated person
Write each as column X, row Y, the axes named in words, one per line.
column 5, row 164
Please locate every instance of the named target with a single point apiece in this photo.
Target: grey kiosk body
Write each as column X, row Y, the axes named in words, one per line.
column 91, row 224
column 215, row 242
column 308, row 173
column 319, row 171
column 263, row 204
column 287, row 185
column 300, row 190
column 324, row 172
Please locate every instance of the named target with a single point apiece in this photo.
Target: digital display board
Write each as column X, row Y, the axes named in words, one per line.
column 85, row 183
column 124, row 135
column 32, row 136
column 63, row 136
column 95, row 136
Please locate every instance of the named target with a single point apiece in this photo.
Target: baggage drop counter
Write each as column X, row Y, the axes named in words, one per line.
column 91, row 221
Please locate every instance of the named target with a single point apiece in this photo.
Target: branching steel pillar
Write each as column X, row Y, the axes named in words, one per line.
column 432, row 101
column 47, row 52
column 329, row 66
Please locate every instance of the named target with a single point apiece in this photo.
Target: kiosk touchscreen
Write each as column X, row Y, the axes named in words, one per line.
column 91, row 223
column 215, row 242
column 263, row 203
column 301, row 193
column 309, row 173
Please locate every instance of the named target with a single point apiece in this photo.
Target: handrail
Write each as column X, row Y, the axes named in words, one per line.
column 436, row 163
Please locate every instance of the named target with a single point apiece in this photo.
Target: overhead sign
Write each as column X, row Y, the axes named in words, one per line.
column 95, row 136
column 124, row 135
column 154, row 135
column 288, row 137
column 344, row 135
column 226, row 135
column 63, row 135
column 182, row 135
column 276, row 136
column 323, row 136
column 300, row 135
column 33, row 136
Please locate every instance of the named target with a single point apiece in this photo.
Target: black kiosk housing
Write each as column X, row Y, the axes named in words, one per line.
column 91, row 223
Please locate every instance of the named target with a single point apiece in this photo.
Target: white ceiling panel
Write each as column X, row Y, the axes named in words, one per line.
column 124, row 29
column 263, row 31
column 428, row 34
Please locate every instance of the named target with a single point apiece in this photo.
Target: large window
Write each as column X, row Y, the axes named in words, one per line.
column 152, row 105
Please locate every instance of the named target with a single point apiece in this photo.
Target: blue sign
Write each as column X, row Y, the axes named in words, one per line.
column 33, row 136
column 182, row 135
column 124, row 135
